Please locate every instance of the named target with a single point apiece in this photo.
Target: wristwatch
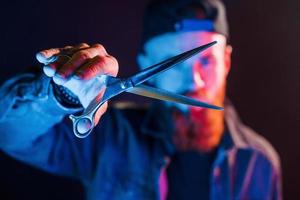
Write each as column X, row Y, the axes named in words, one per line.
column 65, row 97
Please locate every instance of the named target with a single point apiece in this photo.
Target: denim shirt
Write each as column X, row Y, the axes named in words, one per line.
column 125, row 155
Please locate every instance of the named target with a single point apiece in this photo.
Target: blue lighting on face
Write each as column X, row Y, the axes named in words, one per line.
column 201, row 74
column 178, row 79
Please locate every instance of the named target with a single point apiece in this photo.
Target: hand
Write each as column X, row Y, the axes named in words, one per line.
column 79, row 68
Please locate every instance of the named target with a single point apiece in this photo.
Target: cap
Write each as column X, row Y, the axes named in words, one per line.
column 163, row 16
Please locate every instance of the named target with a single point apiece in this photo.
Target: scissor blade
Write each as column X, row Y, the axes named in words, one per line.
column 165, row 95
column 111, row 90
column 154, row 70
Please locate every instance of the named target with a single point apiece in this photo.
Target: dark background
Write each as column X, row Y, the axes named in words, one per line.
column 264, row 82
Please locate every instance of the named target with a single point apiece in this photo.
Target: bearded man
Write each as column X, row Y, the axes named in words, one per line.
column 167, row 150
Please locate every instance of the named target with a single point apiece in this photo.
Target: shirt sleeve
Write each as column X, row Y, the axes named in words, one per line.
column 277, row 185
column 32, row 129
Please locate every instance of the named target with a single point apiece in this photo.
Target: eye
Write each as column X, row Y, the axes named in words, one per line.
column 204, row 61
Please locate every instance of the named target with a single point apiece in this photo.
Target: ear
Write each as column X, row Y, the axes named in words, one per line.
column 228, row 51
column 143, row 61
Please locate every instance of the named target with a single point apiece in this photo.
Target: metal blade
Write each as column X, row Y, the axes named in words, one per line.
column 165, row 95
column 110, row 91
column 154, row 70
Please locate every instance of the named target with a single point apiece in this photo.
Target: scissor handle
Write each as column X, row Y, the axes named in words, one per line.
column 83, row 125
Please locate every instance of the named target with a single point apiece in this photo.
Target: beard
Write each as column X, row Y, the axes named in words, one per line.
column 201, row 129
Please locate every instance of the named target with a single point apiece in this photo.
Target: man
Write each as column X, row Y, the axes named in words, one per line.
column 167, row 151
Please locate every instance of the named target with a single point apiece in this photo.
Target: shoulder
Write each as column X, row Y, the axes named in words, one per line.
column 246, row 138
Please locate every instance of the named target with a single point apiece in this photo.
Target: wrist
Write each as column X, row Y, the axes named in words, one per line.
column 65, row 97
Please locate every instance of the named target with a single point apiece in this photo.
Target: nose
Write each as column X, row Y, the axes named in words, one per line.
column 191, row 77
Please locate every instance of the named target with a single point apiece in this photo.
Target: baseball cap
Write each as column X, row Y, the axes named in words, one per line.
column 163, row 16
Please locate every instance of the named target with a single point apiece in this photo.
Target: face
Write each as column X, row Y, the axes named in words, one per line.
column 202, row 76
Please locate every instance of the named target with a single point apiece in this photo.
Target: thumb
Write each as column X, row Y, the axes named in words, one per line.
column 100, row 112
column 45, row 60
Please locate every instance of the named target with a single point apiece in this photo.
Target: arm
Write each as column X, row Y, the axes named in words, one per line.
column 28, row 109
column 30, row 116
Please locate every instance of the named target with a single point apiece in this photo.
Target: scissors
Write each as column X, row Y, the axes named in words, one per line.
column 84, row 123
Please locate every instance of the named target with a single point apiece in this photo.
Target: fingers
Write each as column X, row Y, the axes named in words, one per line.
column 100, row 112
column 78, row 59
column 50, row 69
column 43, row 56
column 98, row 65
column 50, row 55
column 83, row 61
column 70, row 50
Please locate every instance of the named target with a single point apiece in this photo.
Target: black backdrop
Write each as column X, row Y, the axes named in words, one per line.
column 263, row 83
